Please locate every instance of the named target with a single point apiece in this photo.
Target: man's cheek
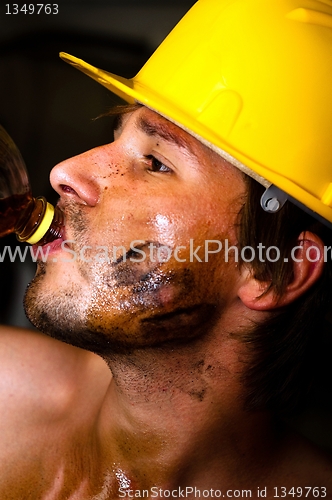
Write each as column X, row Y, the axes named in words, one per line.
column 152, row 303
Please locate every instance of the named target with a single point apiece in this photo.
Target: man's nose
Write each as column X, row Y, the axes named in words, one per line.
column 76, row 179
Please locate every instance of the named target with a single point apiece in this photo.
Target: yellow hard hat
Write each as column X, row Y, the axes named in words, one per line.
column 253, row 80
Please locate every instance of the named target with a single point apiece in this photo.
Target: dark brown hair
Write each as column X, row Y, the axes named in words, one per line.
column 285, row 349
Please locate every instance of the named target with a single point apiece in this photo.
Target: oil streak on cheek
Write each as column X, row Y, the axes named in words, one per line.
column 147, row 303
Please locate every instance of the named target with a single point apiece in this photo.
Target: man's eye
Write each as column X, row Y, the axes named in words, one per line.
column 156, row 165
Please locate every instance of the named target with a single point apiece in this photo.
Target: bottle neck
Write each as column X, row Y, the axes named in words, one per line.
column 41, row 223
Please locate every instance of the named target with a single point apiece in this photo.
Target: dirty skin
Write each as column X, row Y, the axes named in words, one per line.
column 150, row 303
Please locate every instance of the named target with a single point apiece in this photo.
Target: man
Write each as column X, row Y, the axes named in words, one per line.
column 201, row 302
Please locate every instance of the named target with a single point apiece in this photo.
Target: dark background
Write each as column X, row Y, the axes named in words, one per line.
column 49, row 108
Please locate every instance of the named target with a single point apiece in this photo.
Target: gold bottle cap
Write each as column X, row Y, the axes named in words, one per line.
column 44, row 225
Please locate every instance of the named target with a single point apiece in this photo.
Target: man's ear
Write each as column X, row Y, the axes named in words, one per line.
column 308, row 263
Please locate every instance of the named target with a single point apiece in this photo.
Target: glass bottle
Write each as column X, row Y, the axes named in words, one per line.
column 34, row 220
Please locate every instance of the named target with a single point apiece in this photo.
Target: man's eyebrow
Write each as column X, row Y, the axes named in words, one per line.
column 157, row 129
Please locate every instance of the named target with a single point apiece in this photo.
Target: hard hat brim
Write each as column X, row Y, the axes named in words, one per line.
column 122, row 87
column 130, row 90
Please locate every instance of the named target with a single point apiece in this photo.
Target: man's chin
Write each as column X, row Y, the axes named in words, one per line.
column 61, row 316
column 57, row 313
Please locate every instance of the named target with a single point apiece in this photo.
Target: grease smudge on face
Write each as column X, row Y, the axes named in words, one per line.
column 153, row 302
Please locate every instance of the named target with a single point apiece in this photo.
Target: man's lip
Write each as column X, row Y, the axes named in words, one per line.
column 55, row 245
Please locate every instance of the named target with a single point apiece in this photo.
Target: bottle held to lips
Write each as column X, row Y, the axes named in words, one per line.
column 34, row 220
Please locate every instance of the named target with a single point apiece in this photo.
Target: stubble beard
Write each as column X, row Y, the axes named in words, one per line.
column 59, row 315
column 66, row 317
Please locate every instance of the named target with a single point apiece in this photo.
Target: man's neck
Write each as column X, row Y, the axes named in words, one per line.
column 175, row 416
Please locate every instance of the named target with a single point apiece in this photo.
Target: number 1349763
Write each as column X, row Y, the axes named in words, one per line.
column 32, row 8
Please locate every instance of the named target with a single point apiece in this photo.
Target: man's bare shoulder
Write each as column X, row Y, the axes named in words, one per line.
column 49, row 392
column 45, row 378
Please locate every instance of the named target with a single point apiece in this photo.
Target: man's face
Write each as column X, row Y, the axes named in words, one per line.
column 130, row 273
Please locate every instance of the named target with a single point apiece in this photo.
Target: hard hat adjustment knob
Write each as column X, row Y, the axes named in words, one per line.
column 273, row 199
